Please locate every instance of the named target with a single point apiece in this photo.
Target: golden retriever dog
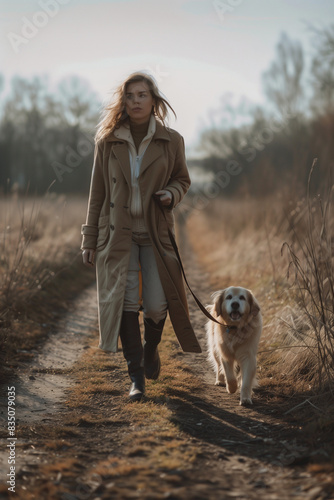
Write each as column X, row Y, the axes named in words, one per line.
column 234, row 343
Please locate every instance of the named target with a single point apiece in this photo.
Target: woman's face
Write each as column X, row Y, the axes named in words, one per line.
column 138, row 102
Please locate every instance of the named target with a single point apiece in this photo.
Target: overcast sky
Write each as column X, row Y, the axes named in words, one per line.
column 198, row 50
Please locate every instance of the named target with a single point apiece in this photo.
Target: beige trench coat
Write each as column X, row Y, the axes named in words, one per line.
column 108, row 228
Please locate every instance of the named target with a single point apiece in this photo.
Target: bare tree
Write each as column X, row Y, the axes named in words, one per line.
column 322, row 74
column 79, row 102
column 39, row 129
column 226, row 126
column 283, row 80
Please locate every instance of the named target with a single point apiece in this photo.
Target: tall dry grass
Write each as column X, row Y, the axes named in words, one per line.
column 240, row 242
column 39, row 258
column 37, row 235
column 311, row 255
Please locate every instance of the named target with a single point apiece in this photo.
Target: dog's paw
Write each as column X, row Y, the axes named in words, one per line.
column 246, row 402
column 232, row 386
column 219, row 382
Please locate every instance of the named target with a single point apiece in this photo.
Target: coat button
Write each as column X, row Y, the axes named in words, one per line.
column 114, row 179
column 112, row 227
column 112, row 205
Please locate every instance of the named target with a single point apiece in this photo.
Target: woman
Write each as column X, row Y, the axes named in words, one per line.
column 136, row 158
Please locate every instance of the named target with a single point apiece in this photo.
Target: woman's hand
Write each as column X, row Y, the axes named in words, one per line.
column 88, row 255
column 166, row 197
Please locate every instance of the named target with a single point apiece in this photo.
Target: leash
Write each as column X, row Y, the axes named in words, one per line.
column 176, row 250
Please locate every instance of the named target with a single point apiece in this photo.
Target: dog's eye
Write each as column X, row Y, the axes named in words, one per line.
column 229, row 297
column 242, row 297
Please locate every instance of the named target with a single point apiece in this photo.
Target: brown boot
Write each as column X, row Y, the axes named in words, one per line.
column 152, row 336
column 133, row 353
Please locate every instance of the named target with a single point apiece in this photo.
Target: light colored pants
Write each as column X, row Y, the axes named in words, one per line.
column 142, row 259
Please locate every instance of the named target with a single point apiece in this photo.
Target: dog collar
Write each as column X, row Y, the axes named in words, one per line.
column 228, row 328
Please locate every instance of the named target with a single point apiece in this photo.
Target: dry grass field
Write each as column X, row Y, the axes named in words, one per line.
column 188, row 438
column 282, row 249
column 279, row 247
column 40, row 267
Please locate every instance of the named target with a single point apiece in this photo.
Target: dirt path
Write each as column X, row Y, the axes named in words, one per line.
column 260, row 449
column 245, row 453
column 40, row 386
column 44, row 390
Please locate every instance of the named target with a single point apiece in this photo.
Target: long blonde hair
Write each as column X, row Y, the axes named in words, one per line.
column 114, row 113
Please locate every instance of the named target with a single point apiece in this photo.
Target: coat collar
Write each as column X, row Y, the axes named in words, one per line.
column 154, row 150
column 124, row 131
column 155, row 127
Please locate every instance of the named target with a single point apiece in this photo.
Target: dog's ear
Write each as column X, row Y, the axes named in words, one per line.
column 218, row 298
column 254, row 305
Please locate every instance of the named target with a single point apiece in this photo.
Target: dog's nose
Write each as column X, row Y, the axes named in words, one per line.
column 235, row 305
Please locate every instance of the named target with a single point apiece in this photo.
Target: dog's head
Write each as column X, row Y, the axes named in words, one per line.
column 235, row 305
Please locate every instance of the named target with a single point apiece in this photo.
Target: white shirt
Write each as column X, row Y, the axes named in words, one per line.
column 135, row 158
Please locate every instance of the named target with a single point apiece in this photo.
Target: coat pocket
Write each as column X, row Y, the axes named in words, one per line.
column 104, row 231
